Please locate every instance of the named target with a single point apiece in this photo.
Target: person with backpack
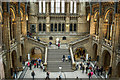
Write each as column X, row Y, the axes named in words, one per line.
column 33, row 74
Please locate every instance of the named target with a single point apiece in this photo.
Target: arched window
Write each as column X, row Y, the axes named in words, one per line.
column 44, row 7
column 75, row 6
column 51, row 29
column 44, row 27
column 63, row 27
column 63, row 6
column 55, row 27
column 71, row 6
column 59, row 28
column 40, row 7
column 57, row 6
column 70, row 27
column 52, row 6
column 75, row 26
column 40, row 27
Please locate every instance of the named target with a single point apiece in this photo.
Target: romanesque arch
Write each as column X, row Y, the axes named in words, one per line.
column 36, row 52
column 108, row 23
column 95, row 47
column 80, row 53
column 106, row 59
column 96, row 20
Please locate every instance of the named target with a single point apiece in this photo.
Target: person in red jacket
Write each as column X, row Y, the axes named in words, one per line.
column 34, row 65
column 58, row 45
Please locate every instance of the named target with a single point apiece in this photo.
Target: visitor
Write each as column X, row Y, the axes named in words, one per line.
column 30, row 66
column 60, row 78
column 83, row 68
column 58, row 45
column 90, row 58
column 47, row 75
column 89, row 74
column 37, row 64
column 33, row 74
column 101, row 70
column 87, row 69
column 66, row 59
column 69, row 58
column 34, row 65
column 50, row 43
column 63, row 58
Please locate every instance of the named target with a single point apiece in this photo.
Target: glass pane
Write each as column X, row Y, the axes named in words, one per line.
column 55, row 27
column 57, row 6
column 75, row 4
column 40, row 9
column 71, row 6
column 51, row 27
column 44, row 27
column 74, row 27
column 70, row 27
column 63, row 7
column 43, row 6
column 63, row 27
column 59, row 27
column 52, row 6
column 40, row 27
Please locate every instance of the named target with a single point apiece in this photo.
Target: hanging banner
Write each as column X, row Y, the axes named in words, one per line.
column 86, row 57
column 2, row 75
column 28, row 57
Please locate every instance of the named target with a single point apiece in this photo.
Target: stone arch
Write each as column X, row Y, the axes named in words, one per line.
column 96, row 20
column 108, row 21
column 118, row 70
column 38, row 54
column 106, row 59
column 95, row 47
column 80, row 52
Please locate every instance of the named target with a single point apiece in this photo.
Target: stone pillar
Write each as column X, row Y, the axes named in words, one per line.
column 32, row 15
column 67, row 17
column 101, row 27
column 0, row 27
column 82, row 22
column 92, row 26
column 47, row 18
column 6, row 39
column 18, row 37
column 24, row 26
column 115, row 44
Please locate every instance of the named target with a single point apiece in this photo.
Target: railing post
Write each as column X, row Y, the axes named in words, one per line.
column 72, row 58
column 45, row 63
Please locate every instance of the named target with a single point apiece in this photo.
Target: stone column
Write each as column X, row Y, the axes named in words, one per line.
column 33, row 15
column 24, row 26
column 6, row 39
column 101, row 27
column 18, row 37
column 67, row 17
column 92, row 26
column 0, row 27
column 82, row 22
column 47, row 19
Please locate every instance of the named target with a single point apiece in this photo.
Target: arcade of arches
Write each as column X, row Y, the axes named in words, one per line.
column 71, row 22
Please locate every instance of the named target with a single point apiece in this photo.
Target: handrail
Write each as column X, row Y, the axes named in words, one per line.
column 46, row 51
column 41, row 42
column 72, row 58
column 23, row 72
column 79, row 40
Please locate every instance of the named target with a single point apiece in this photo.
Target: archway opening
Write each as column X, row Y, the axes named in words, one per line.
column 14, row 58
column 36, row 53
column 106, row 60
column 80, row 53
column 95, row 52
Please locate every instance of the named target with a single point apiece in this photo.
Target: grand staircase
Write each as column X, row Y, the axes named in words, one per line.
column 55, row 59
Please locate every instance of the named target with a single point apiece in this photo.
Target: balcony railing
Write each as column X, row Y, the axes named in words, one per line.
column 107, row 42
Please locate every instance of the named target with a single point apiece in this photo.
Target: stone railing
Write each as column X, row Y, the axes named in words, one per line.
column 46, row 53
column 35, row 40
column 79, row 40
column 72, row 58
column 107, row 42
column 96, row 38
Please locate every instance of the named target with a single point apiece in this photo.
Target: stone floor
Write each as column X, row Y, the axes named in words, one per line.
column 40, row 74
